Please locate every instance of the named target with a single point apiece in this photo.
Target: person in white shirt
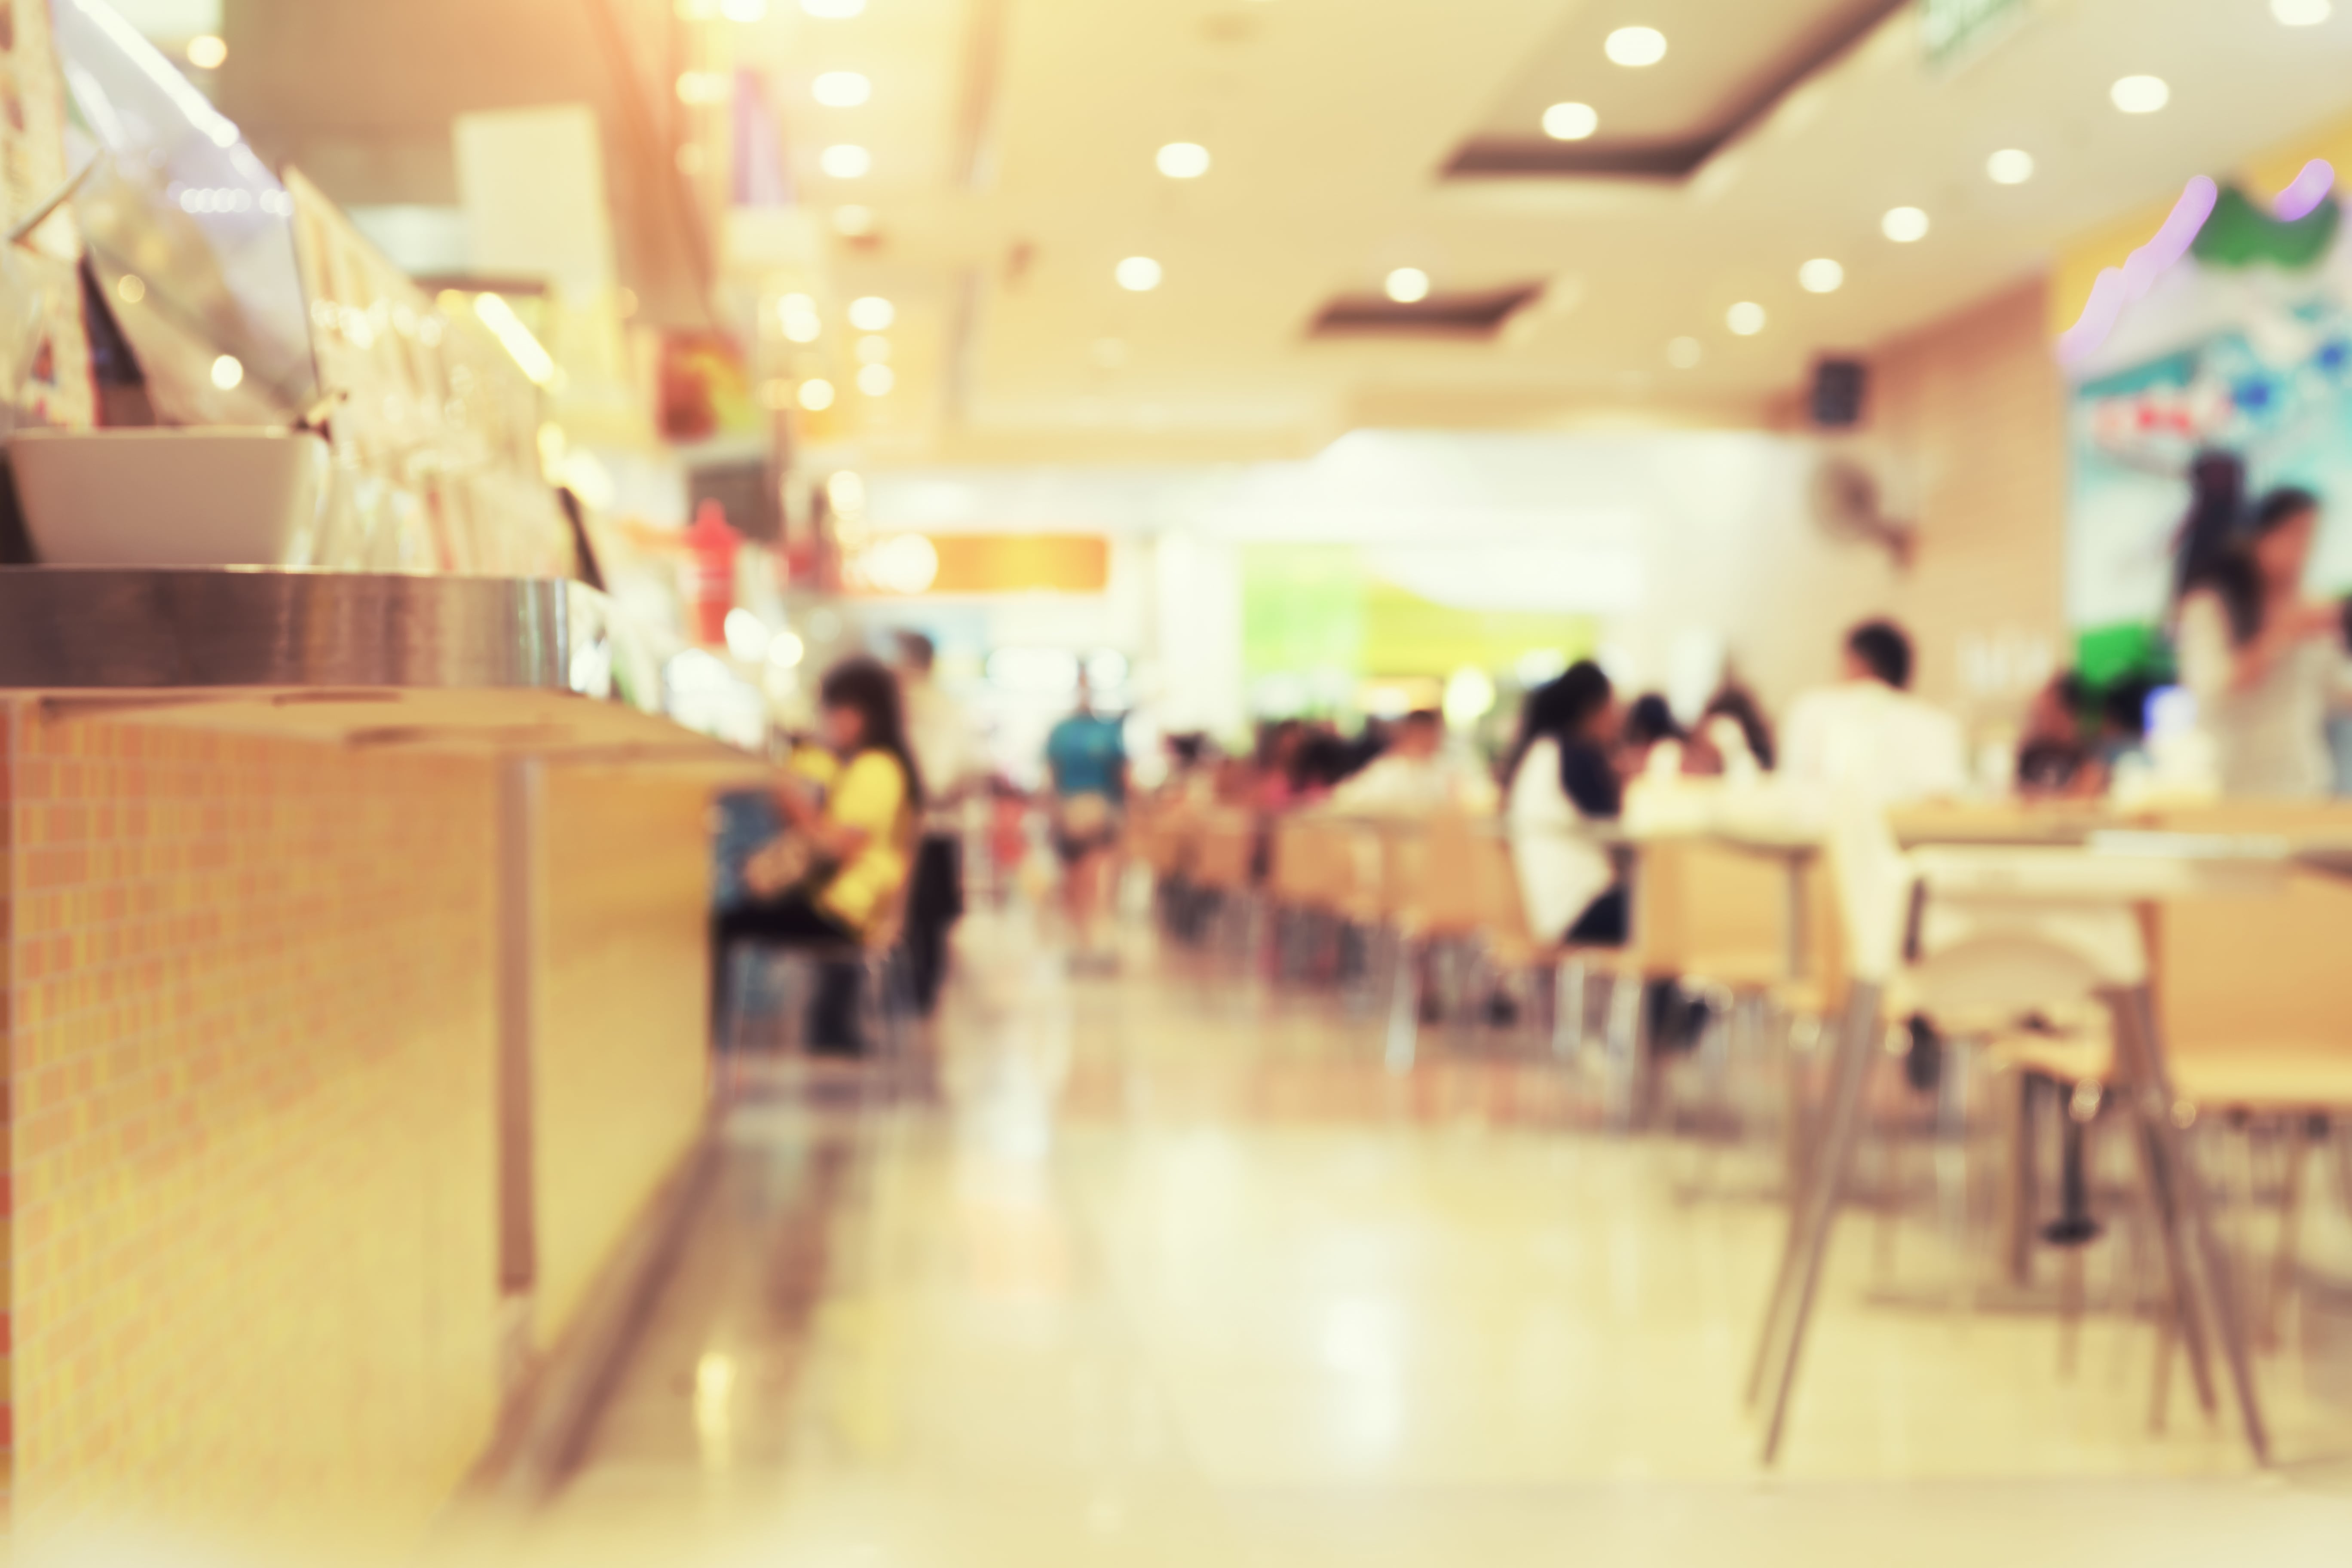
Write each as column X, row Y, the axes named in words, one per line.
column 1899, row 748
column 1415, row 776
column 1563, row 780
column 948, row 755
column 2265, row 664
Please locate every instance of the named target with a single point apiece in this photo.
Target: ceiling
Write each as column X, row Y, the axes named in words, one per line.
column 1012, row 145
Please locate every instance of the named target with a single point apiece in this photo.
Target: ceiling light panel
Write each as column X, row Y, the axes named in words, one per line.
column 1183, row 160
column 841, row 90
column 1635, row 47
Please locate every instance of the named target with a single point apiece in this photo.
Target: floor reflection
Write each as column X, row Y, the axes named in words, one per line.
column 1166, row 1268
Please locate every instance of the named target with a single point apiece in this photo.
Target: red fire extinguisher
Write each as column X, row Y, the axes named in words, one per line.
column 710, row 587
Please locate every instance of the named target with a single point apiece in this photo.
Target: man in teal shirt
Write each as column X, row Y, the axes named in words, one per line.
column 1086, row 756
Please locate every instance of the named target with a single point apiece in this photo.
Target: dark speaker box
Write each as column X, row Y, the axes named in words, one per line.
column 1840, row 386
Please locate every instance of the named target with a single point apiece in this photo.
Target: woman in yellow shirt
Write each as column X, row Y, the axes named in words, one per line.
column 859, row 834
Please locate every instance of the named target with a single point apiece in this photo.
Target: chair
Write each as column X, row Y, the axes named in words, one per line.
column 2003, row 931
column 884, row 985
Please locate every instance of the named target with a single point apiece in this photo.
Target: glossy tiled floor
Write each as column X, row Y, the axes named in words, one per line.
column 1172, row 1271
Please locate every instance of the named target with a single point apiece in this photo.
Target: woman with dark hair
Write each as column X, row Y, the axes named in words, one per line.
column 844, row 859
column 2264, row 662
column 2217, row 503
column 1563, row 775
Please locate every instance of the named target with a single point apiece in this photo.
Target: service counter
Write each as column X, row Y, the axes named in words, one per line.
column 352, row 982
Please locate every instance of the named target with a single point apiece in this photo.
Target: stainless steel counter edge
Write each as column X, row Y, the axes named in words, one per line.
column 66, row 628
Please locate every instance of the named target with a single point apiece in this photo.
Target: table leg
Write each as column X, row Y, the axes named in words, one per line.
column 2201, row 1270
column 1814, row 1216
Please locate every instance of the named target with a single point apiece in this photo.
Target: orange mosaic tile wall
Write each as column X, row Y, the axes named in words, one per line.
column 620, row 1076
column 251, row 1027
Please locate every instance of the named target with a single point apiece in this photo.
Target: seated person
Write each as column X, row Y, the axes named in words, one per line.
column 1869, row 725
column 1415, row 776
column 1563, row 775
column 856, row 842
column 2054, row 762
column 1737, row 703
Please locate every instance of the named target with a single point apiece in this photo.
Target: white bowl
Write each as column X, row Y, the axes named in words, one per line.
column 171, row 496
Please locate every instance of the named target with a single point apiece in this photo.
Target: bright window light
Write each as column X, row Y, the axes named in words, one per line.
column 1571, row 122
column 1904, row 226
column 747, row 636
column 1139, row 274
column 2010, row 166
column 1820, row 276
column 841, row 90
column 1408, row 286
column 845, row 161
column 1636, row 46
column 1183, row 160
column 2140, row 94
column 1746, row 319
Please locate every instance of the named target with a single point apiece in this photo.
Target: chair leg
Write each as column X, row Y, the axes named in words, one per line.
column 1567, row 1009
column 2024, row 1180
column 2201, row 1270
column 1628, row 1046
column 2283, row 1260
column 1405, row 1007
column 1952, row 1170
column 1814, row 1219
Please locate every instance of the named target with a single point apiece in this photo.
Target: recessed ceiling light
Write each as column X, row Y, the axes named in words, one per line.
column 2140, row 94
column 1571, row 122
column 833, row 9
column 2301, row 12
column 873, row 349
column 1904, row 224
column 852, row 222
column 1139, row 274
column 2010, row 166
column 207, row 52
column 1183, row 160
column 872, row 314
column 816, row 395
column 228, row 372
column 845, row 161
column 1682, row 353
column 876, row 380
column 1820, row 276
column 1408, row 285
column 1636, row 46
column 1746, row 319
column 841, row 90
